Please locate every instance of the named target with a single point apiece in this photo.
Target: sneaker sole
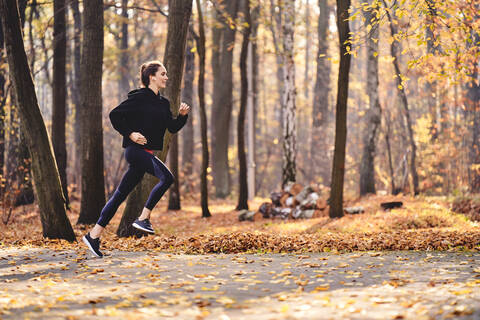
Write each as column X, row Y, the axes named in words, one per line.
column 142, row 228
column 90, row 247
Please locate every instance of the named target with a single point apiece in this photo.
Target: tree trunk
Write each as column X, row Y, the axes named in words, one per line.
column 187, row 97
column 203, row 115
column 403, row 96
column 48, row 188
column 254, row 91
column 18, row 161
column 373, row 114
column 289, row 117
column 473, row 110
column 123, row 84
column 178, row 19
column 60, row 91
column 222, row 100
column 276, row 25
column 174, row 192
column 338, row 171
column 388, row 133
column 75, row 94
column 242, row 157
column 93, row 191
column 319, row 149
column 3, row 114
column 306, row 80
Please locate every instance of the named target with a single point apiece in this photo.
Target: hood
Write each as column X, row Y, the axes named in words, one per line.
column 141, row 93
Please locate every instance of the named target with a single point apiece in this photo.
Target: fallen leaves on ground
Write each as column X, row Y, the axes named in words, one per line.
column 423, row 224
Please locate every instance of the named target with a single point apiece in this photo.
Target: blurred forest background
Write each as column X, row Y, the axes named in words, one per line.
column 413, row 116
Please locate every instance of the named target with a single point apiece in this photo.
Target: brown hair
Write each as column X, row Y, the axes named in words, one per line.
column 149, row 69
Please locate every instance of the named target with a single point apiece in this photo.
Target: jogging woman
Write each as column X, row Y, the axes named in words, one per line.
column 142, row 120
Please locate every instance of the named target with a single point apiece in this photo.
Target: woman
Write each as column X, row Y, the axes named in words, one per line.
column 142, row 120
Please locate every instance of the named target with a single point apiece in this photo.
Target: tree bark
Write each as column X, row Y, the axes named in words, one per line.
column 93, row 191
column 3, row 114
column 60, row 91
column 373, row 114
column 222, row 59
column 178, row 19
column 174, row 192
column 75, row 94
column 403, row 96
column 203, row 115
column 123, row 83
column 242, row 156
column 48, row 189
column 276, row 25
column 319, row 148
column 289, row 95
column 187, row 97
column 338, row 171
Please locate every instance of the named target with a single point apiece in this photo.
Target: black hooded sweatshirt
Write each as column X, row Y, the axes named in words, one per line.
column 147, row 113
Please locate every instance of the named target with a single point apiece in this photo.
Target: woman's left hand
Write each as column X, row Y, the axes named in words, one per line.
column 184, row 109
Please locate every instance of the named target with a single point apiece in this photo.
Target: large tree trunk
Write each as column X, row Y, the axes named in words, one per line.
column 338, row 171
column 242, row 157
column 75, row 93
column 403, row 97
column 319, row 149
column 203, row 115
column 178, row 19
column 187, row 97
column 93, row 191
column 48, row 189
column 373, row 114
column 18, row 161
column 60, row 91
column 289, row 116
column 222, row 59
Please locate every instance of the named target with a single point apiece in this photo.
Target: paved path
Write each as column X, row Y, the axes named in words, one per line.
column 45, row 284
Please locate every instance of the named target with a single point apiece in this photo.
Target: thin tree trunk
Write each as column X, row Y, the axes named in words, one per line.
column 3, row 114
column 203, row 114
column 319, row 148
column 48, row 188
column 178, row 19
column 174, row 192
column 60, row 91
column 403, row 96
column 338, row 171
column 93, row 188
column 373, row 115
column 276, row 25
column 222, row 102
column 242, row 157
column 389, row 151
column 123, row 85
column 289, row 113
column 187, row 97
column 306, row 80
column 75, row 94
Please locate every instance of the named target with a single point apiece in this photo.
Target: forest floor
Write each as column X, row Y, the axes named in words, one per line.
column 356, row 267
column 423, row 223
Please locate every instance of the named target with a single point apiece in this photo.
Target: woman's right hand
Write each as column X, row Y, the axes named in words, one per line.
column 138, row 138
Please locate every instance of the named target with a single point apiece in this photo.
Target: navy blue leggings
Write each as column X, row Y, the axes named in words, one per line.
column 139, row 162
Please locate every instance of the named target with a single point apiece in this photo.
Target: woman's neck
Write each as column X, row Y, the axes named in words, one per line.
column 153, row 88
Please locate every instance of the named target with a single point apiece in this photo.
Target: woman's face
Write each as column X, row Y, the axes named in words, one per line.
column 160, row 78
